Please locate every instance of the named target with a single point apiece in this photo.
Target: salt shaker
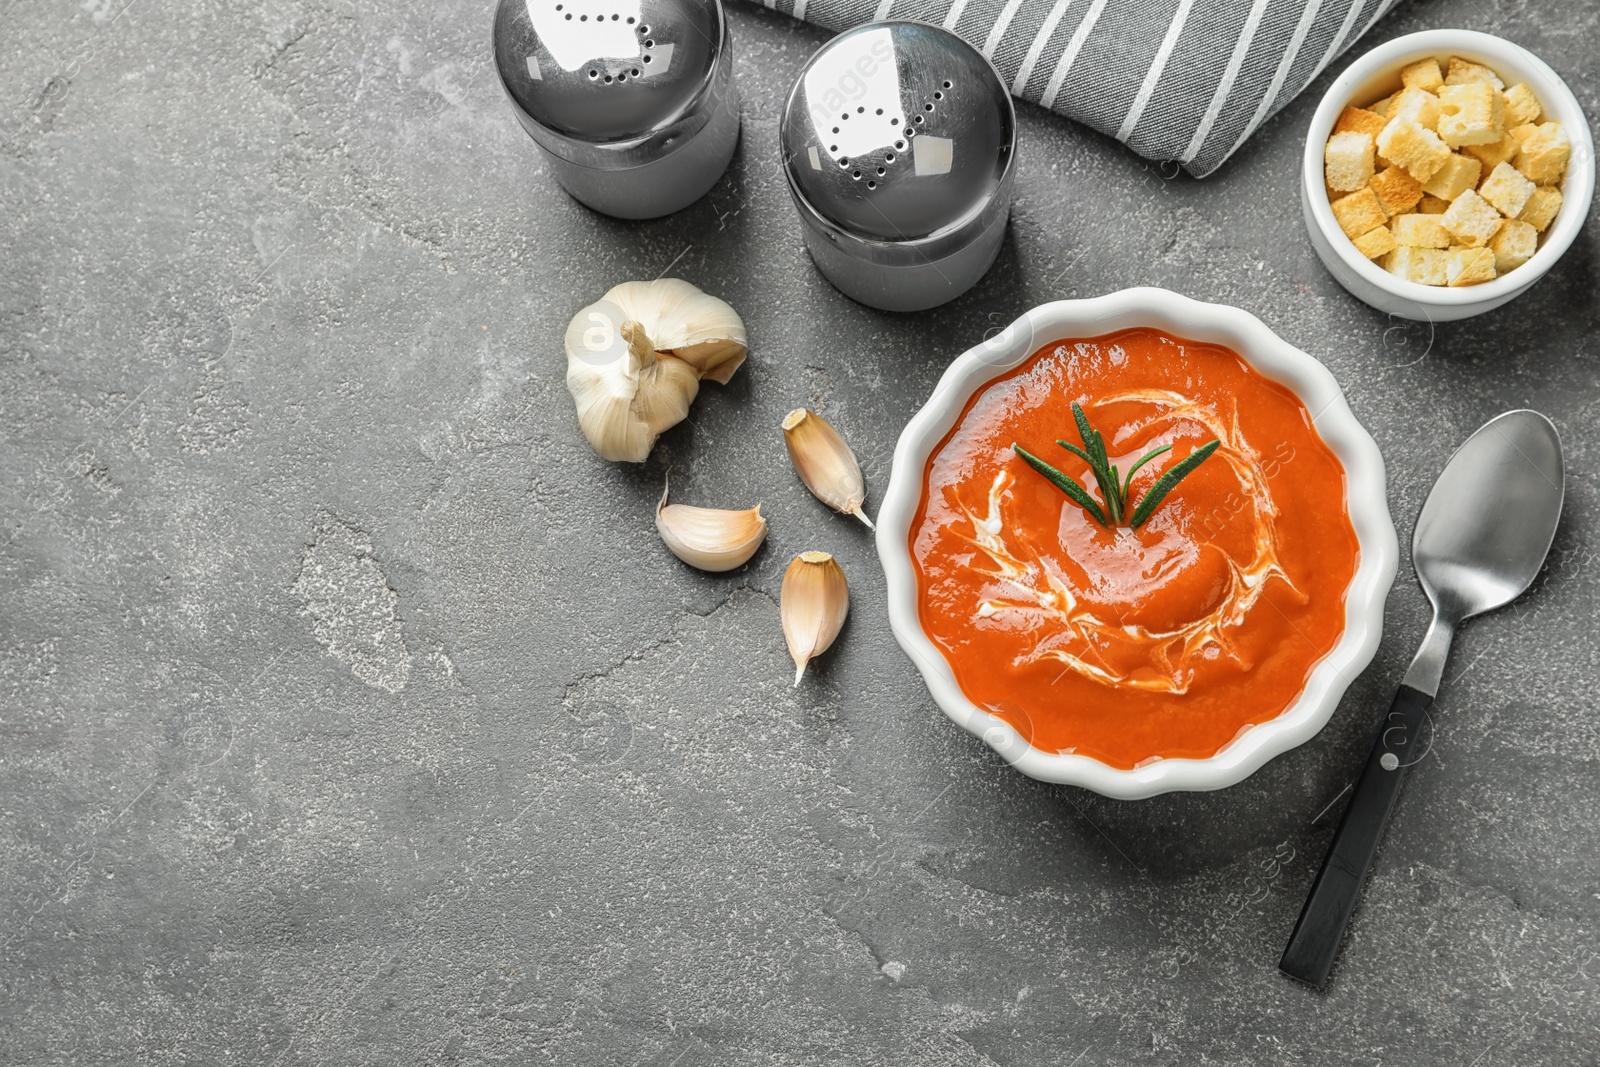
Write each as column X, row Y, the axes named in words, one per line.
column 632, row 101
column 899, row 142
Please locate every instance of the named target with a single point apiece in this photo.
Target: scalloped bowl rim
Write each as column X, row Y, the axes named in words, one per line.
column 1182, row 317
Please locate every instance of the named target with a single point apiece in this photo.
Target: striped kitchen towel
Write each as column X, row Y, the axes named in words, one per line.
column 1184, row 80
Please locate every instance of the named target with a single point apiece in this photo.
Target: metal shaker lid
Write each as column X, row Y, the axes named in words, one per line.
column 899, row 131
column 584, row 75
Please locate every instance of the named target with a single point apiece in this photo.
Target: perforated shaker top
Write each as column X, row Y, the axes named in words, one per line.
column 601, row 71
column 898, row 130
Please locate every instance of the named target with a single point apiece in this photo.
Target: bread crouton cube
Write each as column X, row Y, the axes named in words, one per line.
column 1513, row 244
column 1347, row 161
column 1420, row 231
column 1470, row 113
column 1397, row 191
column 1375, row 243
column 1432, row 205
column 1464, row 72
column 1492, row 155
column 1425, row 266
column 1360, row 120
column 1418, row 150
column 1472, row 219
column 1423, row 74
column 1359, row 213
column 1541, row 208
column 1458, row 174
column 1507, row 190
column 1520, row 105
column 1543, row 154
column 1419, row 106
column 1469, row 266
column 1381, row 107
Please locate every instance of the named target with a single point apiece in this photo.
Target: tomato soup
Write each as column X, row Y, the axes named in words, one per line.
column 1133, row 644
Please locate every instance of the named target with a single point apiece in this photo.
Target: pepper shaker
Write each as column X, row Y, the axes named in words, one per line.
column 899, row 142
column 632, row 101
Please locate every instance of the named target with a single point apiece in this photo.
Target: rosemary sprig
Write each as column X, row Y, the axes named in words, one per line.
column 1115, row 488
column 1168, row 481
column 1063, row 483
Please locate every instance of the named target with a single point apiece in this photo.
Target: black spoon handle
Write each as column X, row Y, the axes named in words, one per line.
column 1315, row 941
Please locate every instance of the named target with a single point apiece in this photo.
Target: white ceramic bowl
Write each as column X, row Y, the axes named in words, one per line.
column 1377, row 74
column 1268, row 354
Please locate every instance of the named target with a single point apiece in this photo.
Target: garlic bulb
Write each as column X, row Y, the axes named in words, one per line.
column 812, row 603
column 825, row 463
column 710, row 538
column 636, row 356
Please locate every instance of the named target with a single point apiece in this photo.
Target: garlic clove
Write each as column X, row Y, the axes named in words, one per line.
column 825, row 463
column 635, row 359
column 812, row 604
column 710, row 538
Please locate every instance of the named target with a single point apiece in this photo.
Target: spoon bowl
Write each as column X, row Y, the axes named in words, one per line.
column 1485, row 529
column 1487, row 525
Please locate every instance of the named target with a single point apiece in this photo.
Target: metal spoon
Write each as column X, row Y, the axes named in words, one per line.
column 1481, row 540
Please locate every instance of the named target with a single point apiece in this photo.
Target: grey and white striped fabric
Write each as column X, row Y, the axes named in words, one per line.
column 1184, row 80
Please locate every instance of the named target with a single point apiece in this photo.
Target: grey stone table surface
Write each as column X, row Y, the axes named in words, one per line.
column 351, row 712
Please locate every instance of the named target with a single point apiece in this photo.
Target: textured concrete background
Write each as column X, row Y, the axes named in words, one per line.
column 352, row 712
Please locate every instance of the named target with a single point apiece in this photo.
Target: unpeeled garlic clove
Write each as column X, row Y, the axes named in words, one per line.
column 812, row 603
column 636, row 356
column 710, row 538
column 825, row 463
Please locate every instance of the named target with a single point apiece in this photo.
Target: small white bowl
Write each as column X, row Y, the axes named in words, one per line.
column 1377, row 74
column 1268, row 354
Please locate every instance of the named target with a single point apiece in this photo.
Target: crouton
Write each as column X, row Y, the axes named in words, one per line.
column 1507, row 190
column 1360, row 120
column 1458, row 174
column 1472, row 219
column 1513, row 244
column 1520, row 105
column 1470, row 113
column 1375, row 243
column 1468, row 266
column 1423, row 265
column 1420, row 107
column 1411, row 146
column 1543, row 154
column 1541, row 208
column 1347, row 161
column 1423, row 74
column 1397, row 191
column 1432, row 205
column 1359, row 213
column 1420, row 231
column 1492, row 155
column 1462, row 72
column 1381, row 107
